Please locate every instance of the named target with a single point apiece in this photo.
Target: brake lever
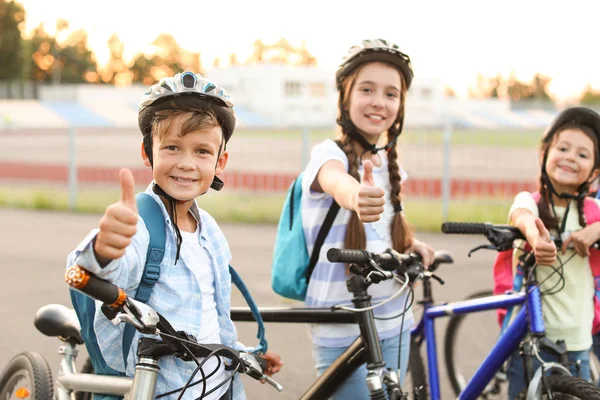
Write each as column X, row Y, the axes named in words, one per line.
column 140, row 315
column 253, row 368
column 483, row 246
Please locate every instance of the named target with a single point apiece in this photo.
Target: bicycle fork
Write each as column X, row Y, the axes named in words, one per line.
column 377, row 374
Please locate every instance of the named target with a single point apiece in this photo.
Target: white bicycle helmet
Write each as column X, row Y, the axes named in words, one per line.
column 375, row 50
column 187, row 89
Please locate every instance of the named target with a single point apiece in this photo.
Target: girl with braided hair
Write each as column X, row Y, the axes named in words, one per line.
column 361, row 173
column 570, row 162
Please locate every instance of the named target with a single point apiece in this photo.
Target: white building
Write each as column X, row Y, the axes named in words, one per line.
column 281, row 95
column 290, row 95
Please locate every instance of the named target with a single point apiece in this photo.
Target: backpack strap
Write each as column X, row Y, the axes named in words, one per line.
column 150, row 211
column 260, row 335
column 323, row 231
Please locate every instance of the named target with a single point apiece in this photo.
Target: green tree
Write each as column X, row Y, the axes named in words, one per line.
column 76, row 61
column 115, row 65
column 12, row 18
column 39, row 54
column 165, row 60
column 590, row 96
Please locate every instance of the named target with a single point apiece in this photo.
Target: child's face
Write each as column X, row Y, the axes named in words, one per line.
column 375, row 99
column 570, row 160
column 184, row 166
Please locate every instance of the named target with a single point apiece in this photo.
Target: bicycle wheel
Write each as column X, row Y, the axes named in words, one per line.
column 468, row 340
column 27, row 375
column 564, row 387
column 416, row 380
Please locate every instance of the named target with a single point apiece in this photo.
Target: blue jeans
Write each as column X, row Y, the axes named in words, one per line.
column 355, row 386
column 516, row 373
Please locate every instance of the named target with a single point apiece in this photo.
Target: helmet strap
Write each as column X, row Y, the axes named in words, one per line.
column 172, row 211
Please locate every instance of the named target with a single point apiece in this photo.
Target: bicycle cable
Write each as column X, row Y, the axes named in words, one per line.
column 374, row 306
column 412, row 297
column 199, row 369
column 411, row 294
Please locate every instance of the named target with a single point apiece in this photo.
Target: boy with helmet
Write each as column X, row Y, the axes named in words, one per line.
column 186, row 122
column 365, row 180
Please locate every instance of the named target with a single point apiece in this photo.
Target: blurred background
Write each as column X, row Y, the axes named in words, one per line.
column 486, row 86
column 489, row 78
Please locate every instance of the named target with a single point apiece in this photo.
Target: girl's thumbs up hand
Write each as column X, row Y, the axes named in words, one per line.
column 369, row 199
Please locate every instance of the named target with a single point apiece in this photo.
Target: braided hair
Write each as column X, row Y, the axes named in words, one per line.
column 401, row 233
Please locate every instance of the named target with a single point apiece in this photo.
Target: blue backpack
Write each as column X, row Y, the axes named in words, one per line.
column 292, row 266
column 85, row 307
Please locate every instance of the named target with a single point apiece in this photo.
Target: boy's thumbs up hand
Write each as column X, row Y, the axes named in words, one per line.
column 119, row 222
column 369, row 200
column 128, row 189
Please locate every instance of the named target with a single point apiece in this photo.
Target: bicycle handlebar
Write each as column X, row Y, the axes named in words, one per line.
column 386, row 260
column 114, row 297
column 98, row 289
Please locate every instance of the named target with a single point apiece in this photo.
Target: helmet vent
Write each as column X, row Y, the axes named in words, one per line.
column 189, row 80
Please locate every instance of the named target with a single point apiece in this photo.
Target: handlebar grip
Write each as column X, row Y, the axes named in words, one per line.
column 347, row 256
column 468, row 228
column 99, row 289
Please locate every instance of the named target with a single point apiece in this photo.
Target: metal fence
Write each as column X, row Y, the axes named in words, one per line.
column 446, row 164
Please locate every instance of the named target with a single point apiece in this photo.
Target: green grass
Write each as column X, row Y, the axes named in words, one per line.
column 492, row 138
column 253, row 208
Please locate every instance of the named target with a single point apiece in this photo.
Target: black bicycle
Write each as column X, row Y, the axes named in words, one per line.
column 366, row 269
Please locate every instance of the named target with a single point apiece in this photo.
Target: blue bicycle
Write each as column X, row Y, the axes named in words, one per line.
column 526, row 332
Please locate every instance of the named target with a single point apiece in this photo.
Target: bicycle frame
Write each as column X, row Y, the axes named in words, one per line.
column 504, row 347
column 69, row 380
column 364, row 349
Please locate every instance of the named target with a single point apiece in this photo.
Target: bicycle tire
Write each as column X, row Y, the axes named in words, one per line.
column 27, row 366
column 565, row 387
column 452, row 353
column 417, row 371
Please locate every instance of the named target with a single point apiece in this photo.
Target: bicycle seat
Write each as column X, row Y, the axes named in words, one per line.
column 58, row 320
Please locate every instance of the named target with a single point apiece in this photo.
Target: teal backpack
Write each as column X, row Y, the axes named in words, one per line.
column 85, row 307
column 292, row 266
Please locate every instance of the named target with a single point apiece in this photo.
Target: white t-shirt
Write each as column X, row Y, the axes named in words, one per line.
column 569, row 313
column 209, row 330
column 327, row 286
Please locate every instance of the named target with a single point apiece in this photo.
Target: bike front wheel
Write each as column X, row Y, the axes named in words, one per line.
column 416, row 381
column 468, row 340
column 562, row 387
column 28, row 376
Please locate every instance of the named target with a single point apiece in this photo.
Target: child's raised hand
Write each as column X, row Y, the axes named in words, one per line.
column 369, row 200
column 582, row 240
column 542, row 245
column 119, row 222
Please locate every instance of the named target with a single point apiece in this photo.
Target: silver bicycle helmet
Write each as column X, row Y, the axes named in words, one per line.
column 186, row 89
column 375, row 50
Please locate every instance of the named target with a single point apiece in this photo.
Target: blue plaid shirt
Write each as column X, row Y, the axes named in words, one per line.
column 176, row 296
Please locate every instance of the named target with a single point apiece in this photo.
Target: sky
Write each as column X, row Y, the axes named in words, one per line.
column 450, row 40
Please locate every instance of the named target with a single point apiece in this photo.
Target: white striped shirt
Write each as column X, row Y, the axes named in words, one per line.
column 327, row 286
